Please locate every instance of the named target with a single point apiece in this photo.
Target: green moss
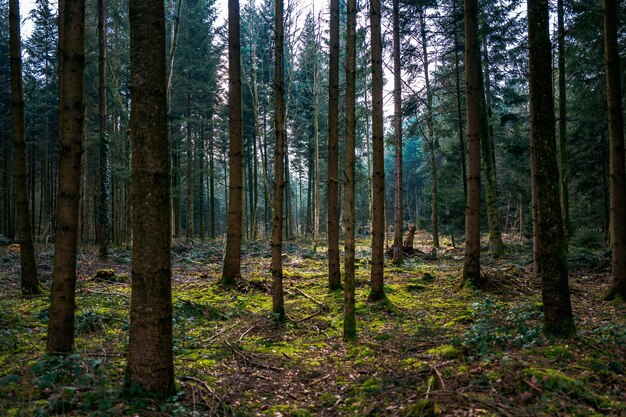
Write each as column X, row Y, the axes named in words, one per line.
column 554, row 380
column 423, row 408
column 557, row 352
column 444, row 351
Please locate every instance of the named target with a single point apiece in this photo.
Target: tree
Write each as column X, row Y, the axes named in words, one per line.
column 471, row 264
column 232, row 258
column 496, row 246
column 105, row 169
column 349, row 320
column 334, row 275
column 563, row 164
column 278, row 304
column 397, row 126
column 430, row 137
column 150, row 362
column 28, row 272
column 616, row 152
column 377, row 291
column 71, row 120
column 549, row 249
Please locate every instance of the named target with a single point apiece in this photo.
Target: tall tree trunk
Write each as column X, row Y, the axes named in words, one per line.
column 232, row 258
column 397, row 125
column 316, row 151
column 471, row 264
column 549, row 250
column 334, row 274
column 616, row 151
column 200, row 159
column 563, row 164
column 189, row 227
column 28, row 272
column 458, row 103
column 71, row 118
column 349, row 319
column 377, row 291
column 278, row 304
column 150, row 353
column 211, row 180
column 432, row 148
column 496, row 246
column 105, row 172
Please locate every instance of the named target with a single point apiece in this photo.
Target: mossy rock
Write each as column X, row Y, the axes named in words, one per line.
column 414, row 287
column 427, row 277
column 444, row 351
column 557, row 352
column 105, row 274
column 423, row 408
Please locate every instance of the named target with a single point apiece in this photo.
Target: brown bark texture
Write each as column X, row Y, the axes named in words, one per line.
column 28, row 265
column 549, row 250
column 563, row 163
column 71, row 120
column 496, row 246
column 397, row 126
column 334, row 274
column 471, row 263
column 377, row 291
column 349, row 208
column 278, row 304
column 232, row 257
column 150, row 353
column 104, row 202
column 616, row 149
column 432, row 149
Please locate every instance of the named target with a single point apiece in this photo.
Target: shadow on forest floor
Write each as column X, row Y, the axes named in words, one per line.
column 431, row 350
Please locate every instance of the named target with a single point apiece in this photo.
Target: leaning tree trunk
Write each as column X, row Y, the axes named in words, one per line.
column 150, row 353
column 377, row 291
column 334, row 275
column 397, row 125
column 349, row 320
column 232, row 258
column 278, row 304
column 71, row 118
column 549, row 249
column 28, row 272
column 471, row 264
column 616, row 146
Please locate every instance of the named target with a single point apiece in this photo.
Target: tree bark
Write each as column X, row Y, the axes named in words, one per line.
column 232, row 258
column 349, row 319
column 434, row 217
column 458, row 104
column 397, row 125
column 377, row 291
column 71, row 120
column 278, row 304
column 105, row 171
column 334, row 274
column 616, row 151
column 496, row 246
column 549, row 251
column 471, row 264
column 563, row 164
column 150, row 354
column 28, row 272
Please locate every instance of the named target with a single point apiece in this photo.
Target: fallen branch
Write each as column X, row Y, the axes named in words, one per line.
column 317, row 313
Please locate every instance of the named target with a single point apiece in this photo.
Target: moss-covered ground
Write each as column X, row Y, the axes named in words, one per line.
column 430, row 349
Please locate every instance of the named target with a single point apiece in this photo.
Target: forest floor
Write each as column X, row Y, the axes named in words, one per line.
column 432, row 349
